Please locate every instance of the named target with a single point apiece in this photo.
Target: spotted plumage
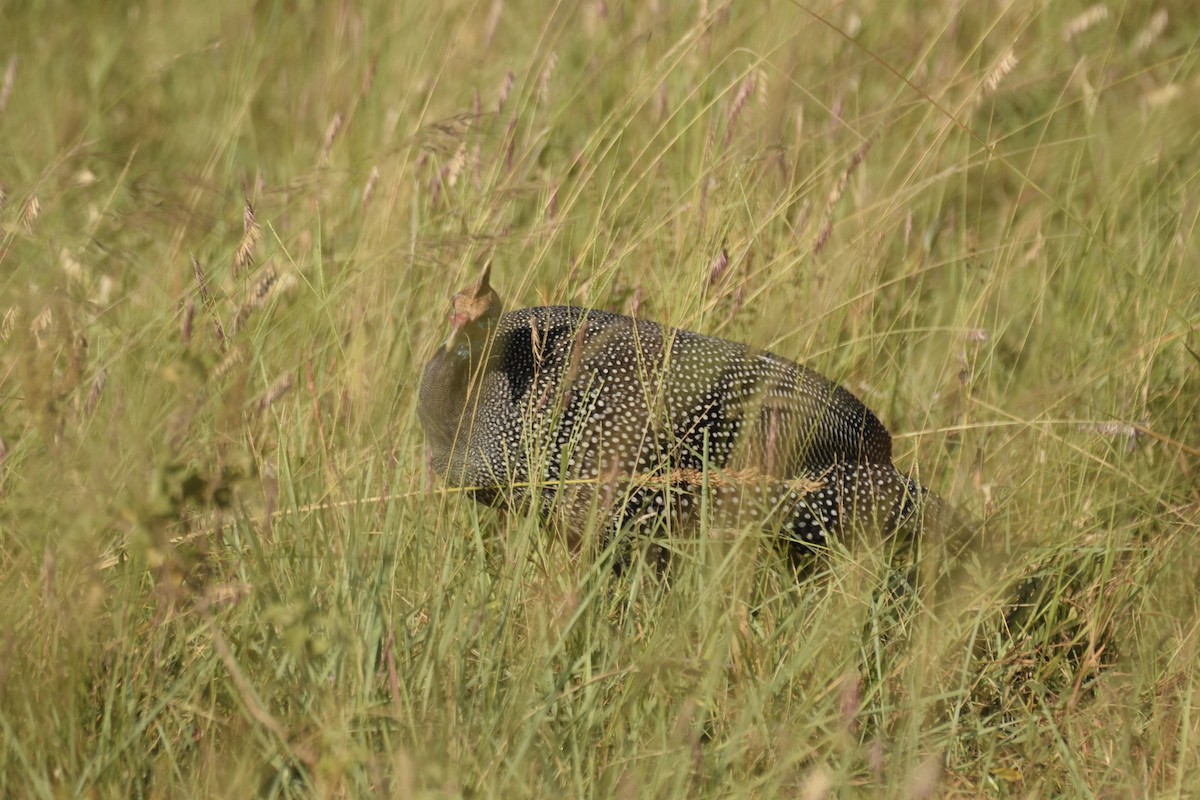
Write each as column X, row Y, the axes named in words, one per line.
column 603, row 414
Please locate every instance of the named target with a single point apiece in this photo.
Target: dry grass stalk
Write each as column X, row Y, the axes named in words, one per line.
column 1082, row 23
column 3, row 196
column 1007, row 63
column 836, row 195
column 1149, row 34
column 10, row 76
column 250, row 234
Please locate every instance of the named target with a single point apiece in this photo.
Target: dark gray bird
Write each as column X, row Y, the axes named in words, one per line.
column 605, row 416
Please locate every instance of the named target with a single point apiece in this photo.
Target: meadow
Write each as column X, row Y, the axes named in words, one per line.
column 228, row 236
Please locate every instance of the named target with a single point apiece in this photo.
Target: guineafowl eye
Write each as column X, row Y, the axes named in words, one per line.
column 600, row 412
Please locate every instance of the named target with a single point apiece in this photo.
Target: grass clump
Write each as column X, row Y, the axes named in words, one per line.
column 227, row 236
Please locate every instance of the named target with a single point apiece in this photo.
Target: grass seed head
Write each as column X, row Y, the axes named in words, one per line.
column 7, row 324
column 1007, row 63
column 257, row 297
column 98, row 384
column 185, row 325
column 10, row 76
column 201, row 283
column 369, row 189
column 331, row 133
column 1084, row 22
column 278, row 389
column 33, row 209
column 505, row 88
column 250, row 235
column 1153, row 30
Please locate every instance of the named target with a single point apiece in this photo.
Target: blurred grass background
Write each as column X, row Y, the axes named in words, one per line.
column 229, row 231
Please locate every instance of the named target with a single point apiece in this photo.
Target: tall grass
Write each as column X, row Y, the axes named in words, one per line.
column 228, row 235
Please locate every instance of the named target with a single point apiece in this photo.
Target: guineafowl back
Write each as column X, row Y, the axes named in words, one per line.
column 561, row 394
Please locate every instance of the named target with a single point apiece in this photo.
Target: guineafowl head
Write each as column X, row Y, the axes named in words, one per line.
column 473, row 314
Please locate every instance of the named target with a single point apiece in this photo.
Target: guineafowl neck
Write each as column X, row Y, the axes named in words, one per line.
column 446, row 390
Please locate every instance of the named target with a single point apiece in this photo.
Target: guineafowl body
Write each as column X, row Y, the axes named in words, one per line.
column 623, row 420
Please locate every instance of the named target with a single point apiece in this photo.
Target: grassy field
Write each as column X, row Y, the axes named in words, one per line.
column 228, row 239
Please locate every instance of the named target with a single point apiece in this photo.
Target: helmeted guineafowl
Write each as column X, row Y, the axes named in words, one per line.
column 599, row 413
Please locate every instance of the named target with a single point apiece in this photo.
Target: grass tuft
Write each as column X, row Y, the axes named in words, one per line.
column 227, row 236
